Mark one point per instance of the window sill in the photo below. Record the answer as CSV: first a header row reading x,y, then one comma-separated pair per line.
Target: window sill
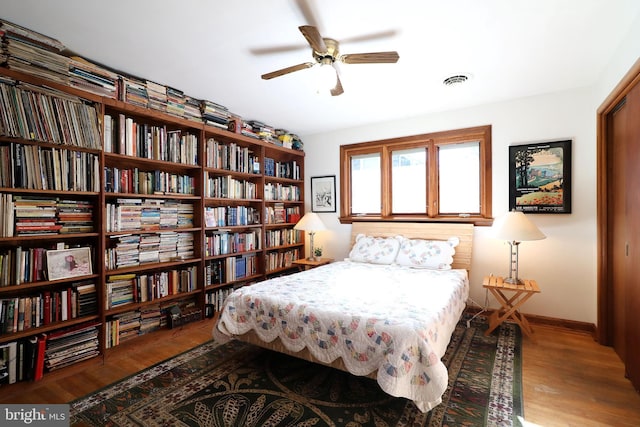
x,y
478,221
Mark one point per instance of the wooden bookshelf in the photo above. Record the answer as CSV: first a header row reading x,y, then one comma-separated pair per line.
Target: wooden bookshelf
x,y
134,186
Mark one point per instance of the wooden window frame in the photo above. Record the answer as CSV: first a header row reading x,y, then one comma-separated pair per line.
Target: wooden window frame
x,y
431,142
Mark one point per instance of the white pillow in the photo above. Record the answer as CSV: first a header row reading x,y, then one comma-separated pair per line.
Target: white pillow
x,y
433,254
375,250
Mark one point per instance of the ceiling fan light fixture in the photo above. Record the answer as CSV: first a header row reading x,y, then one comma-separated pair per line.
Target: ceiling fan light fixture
x,y
326,75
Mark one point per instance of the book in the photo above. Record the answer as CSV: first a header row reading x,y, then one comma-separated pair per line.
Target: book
x,y
8,362
38,370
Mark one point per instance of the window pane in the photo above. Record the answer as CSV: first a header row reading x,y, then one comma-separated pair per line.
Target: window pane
x,y
409,181
365,184
459,178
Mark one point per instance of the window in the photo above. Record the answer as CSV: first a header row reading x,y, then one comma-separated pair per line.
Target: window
x,y
408,194
444,176
365,178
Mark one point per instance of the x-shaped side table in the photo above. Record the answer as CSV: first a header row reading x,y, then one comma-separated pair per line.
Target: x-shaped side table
x,y
510,304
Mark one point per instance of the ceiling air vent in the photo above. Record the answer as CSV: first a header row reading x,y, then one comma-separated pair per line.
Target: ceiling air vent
x,y
454,80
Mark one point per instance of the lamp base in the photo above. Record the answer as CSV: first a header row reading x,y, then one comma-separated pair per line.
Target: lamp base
x,y
514,281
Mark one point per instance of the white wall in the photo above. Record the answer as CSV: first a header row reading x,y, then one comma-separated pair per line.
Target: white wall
x,y
564,263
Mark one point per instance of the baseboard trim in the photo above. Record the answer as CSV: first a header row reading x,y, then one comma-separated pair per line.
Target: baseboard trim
x,y
573,325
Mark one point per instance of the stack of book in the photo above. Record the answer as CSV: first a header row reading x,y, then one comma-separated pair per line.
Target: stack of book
x,y
92,78
264,131
33,53
133,91
87,298
68,346
75,216
215,114
127,325
157,94
185,215
149,248
148,214
192,108
168,246
125,254
184,247
120,290
150,318
35,215
176,103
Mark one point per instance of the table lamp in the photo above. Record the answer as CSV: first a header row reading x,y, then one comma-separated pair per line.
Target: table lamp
x,y
310,222
515,227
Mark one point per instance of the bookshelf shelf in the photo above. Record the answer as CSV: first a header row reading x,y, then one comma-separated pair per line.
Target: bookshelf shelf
x,y
59,193
47,328
151,266
161,301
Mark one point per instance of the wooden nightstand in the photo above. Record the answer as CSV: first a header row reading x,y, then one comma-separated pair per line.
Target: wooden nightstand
x,y
510,304
305,264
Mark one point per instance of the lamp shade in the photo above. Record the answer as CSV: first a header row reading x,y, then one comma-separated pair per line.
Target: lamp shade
x,y
514,226
310,222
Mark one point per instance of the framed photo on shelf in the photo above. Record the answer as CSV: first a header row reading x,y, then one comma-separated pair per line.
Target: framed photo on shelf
x,y
540,177
65,263
323,193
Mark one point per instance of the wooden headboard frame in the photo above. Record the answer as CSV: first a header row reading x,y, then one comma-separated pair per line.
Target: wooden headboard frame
x,y
423,230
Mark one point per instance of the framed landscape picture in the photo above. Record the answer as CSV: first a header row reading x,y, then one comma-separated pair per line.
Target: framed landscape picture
x,y
540,177
323,193
65,263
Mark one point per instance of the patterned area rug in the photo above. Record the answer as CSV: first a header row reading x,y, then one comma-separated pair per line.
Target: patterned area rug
x,y
237,384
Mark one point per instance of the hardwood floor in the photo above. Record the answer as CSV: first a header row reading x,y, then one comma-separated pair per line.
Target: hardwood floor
x,y
569,379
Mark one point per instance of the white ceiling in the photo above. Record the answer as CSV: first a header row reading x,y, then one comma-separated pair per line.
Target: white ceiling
x,y
207,48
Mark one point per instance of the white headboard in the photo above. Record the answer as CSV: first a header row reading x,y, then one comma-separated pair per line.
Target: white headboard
x,y
422,230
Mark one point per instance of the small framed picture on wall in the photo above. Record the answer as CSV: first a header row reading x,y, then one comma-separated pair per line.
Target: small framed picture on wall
x,y
323,193
540,177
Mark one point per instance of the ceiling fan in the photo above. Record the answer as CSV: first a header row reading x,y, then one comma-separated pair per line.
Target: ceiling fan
x,y
326,53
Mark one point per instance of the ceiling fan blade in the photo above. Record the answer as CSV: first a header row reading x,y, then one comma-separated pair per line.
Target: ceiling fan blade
x,y
307,12
313,37
277,49
287,70
369,37
370,58
338,90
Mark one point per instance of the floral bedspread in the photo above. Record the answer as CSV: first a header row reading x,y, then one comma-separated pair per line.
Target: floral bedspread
x,y
396,320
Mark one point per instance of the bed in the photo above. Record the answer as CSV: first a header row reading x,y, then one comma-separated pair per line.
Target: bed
x,y
382,314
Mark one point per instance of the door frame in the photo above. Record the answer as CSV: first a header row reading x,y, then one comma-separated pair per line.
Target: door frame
x,y
604,329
